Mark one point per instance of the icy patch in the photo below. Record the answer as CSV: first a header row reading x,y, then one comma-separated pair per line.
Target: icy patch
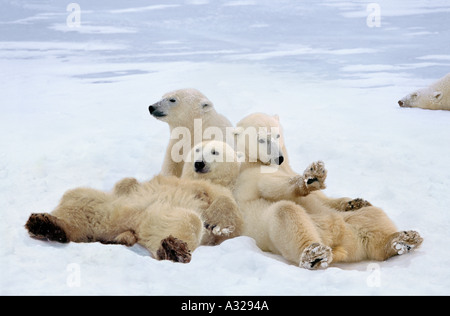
x,y
302,50
391,8
110,74
434,57
239,3
93,29
48,46
143,9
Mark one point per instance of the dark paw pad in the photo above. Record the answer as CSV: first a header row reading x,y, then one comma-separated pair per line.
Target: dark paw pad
x,y
356,204
173,249
44,226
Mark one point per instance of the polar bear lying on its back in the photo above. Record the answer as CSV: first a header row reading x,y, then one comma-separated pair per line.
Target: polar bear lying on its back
x,y
434,97
169,216
286,213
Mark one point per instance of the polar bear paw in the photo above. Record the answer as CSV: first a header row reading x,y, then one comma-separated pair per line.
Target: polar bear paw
x,y
356,204
315,256
219,231
173,249
45,226
406,241
314,176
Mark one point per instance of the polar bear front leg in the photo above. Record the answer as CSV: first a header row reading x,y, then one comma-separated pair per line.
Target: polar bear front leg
x,y
355,204
281,185
313,179
223,218
315,175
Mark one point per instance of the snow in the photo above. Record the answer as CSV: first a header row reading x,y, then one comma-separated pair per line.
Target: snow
x,y
74,106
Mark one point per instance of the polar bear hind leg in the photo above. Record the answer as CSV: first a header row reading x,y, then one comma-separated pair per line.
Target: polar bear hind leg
x,y
403,242
174,249
46,226
170,233
293,234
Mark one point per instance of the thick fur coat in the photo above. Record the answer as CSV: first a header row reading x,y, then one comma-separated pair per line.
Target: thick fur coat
x,y
191,117
169,216
286,213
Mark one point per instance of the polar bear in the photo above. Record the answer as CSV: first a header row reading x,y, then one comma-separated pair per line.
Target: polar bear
x,y
169,216
192,117
286,213
434,97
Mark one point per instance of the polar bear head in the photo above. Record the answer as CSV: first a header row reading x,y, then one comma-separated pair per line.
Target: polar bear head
x,y
181,106
259,136
212,160
434,97
422,98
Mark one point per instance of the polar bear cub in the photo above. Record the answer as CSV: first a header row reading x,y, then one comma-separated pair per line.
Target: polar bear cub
x,y
434,97
191,117
169,216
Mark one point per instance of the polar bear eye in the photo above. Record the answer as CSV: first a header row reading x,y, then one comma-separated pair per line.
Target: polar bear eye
x,y
214,152
278,136
261,141
197,150
173,100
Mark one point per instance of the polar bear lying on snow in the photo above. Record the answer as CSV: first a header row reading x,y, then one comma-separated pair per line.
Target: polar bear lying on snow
x,y
434,97
287,214
169,216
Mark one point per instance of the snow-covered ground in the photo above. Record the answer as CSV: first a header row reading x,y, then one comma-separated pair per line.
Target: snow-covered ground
x,y
74,112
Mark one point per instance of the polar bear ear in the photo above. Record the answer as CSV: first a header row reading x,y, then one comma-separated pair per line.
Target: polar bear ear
x,y
276,117
437,95
206,105
237,130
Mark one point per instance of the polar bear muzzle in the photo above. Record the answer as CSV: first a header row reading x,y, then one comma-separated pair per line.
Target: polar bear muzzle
x,y
156,111
279,160
201,167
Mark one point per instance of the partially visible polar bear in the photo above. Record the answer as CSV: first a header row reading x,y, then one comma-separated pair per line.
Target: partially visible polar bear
x,y
286,213
434,97
192,118
169,216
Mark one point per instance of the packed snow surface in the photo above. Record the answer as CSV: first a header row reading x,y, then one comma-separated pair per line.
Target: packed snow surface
x,y
75,90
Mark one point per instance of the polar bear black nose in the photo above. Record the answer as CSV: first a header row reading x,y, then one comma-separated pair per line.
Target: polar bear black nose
x,y
199,165
279,160
400,103
151,108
